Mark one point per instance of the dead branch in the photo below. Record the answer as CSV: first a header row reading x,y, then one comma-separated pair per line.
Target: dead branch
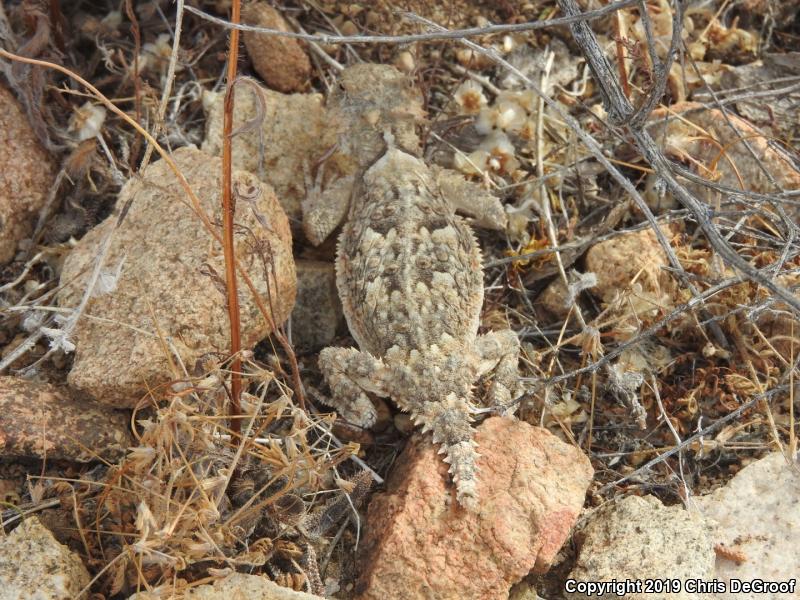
x,y
418,37
621,113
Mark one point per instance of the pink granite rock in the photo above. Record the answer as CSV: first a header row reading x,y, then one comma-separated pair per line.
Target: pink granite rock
x,y
420,544
38,420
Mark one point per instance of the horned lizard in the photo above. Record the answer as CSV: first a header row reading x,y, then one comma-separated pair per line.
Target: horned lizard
x,y
410,279
369,100
408,269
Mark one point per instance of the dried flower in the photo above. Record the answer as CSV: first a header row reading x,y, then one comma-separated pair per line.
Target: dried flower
x,y
87,121
510,116
469,96
502,157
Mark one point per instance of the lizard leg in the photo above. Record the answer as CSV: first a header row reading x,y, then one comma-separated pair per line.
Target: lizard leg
x,y
448,421
471,199
324,210
351,373
498,351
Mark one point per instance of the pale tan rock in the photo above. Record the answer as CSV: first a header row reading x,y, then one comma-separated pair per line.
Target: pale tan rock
x,y
756,515
420,544
638,539
523,591
630,277
780,117
34,566
170,283
703,138
38,420
280,137
317,314
280,61
238,585
26,175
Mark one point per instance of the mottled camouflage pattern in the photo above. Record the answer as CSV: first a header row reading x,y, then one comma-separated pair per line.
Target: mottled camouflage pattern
x,y
411,283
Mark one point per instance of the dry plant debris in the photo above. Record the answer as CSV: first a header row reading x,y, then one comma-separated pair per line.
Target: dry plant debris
x,y
647,256
186,501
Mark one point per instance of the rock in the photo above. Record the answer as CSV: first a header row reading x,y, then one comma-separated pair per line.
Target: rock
x,y
26,176
523,591
640,538
238,585
757,517
317,313
37,420
420,544
696,135
630,275
284,135
34,566
553,299
280,61
781,115
171,279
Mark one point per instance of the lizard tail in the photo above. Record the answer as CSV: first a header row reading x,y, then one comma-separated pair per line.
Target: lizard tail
x,y
449,422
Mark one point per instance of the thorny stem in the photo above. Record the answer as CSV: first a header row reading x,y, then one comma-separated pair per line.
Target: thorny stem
x,y
228,213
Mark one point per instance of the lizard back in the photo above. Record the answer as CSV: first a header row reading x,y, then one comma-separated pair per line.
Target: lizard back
x,y
408,268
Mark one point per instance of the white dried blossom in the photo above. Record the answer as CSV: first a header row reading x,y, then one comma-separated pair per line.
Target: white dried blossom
x,y
33,320
502,154
525,99
510,116
156,54
86,122
486,121
107,280
469,96
59,339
